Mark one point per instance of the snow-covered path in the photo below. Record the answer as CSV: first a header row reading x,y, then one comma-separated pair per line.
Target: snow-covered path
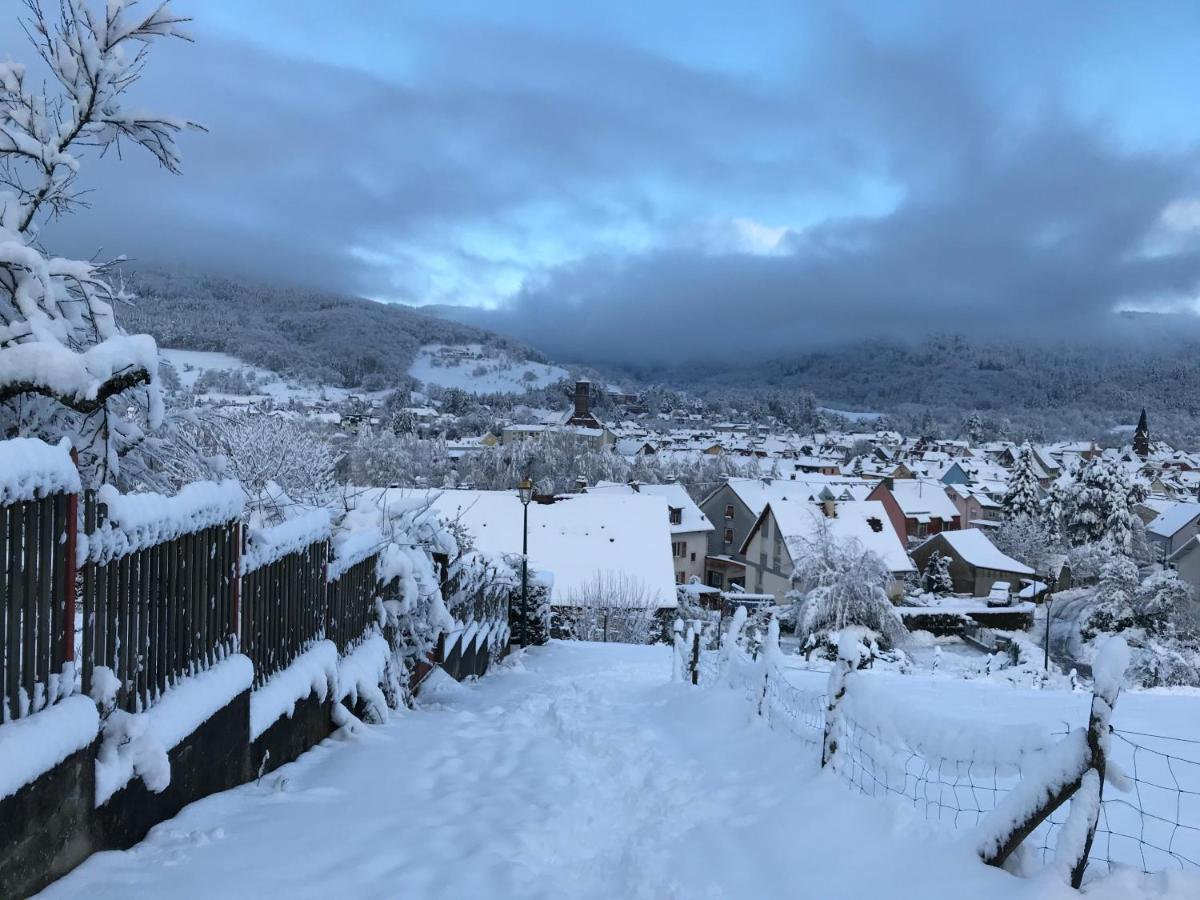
x,y
578,773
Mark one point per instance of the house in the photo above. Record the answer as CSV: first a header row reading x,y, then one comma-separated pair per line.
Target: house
x,y
785,526
1186,561
1174,527
916,507
976,508
735,505
690,528
975,562
577,539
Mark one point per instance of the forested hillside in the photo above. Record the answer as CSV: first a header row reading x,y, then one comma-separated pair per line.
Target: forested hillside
x,y
313,335
1052,389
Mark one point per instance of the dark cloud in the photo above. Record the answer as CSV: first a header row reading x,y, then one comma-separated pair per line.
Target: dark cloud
x,y
922,190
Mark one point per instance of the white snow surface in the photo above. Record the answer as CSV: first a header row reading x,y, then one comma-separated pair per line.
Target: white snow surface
x,y
800,521
577,771
132,740
77,375
30,469
315,671
32,746
138,521
267,545
501,373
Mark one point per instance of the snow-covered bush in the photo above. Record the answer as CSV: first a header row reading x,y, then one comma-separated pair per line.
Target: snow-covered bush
x,y
65,367
1157,618
837,584
539,585
1098,506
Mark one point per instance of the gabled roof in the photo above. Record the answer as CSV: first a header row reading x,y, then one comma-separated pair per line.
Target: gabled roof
x,y
691,518
923,500
974,548
864,521
1170,521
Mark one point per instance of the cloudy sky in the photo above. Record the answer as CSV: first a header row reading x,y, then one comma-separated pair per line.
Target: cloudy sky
x,y
667,179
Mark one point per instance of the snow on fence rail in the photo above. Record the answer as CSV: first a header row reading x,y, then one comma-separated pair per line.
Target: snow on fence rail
x,y
969,777
38,485
161,583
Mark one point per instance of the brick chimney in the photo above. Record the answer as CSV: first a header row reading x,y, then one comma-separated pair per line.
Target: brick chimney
x,y
583,392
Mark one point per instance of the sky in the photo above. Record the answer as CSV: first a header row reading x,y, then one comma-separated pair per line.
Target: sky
x,y
670,180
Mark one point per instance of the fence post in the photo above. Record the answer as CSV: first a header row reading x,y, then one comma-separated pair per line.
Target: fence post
x,y
69,579
1108,676
677,652
849,655
696,657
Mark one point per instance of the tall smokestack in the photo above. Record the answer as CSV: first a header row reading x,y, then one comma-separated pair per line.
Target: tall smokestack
x,y
583,390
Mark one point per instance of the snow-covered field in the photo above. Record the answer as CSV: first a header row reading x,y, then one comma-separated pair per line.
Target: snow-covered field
x,y
476,370
578,772
189,365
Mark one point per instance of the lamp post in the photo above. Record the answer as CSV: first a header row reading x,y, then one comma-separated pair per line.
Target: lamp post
x,y
525,492
1050,582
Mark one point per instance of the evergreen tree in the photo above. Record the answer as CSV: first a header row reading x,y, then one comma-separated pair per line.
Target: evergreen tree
x,y
1024,491
1099,506
1141,437
936,577
973,429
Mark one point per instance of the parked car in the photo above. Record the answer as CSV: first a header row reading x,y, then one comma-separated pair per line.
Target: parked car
x,y
1000,594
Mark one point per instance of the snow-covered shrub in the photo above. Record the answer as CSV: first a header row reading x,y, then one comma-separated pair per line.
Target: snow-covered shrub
x,y
839,584
65,367
1029,539
1098,505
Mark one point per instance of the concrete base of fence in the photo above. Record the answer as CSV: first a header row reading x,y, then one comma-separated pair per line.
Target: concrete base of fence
x,y
46,826
310,723
212,758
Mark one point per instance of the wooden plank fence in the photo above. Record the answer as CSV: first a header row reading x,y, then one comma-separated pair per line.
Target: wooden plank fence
x,y
37,601
351,603
283,609
158,614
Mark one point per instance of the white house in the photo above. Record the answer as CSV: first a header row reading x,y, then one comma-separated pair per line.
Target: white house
x,y
577,539
690,527
784,526
1174,527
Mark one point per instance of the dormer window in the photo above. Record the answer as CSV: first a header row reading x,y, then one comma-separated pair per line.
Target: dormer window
x,y
676,515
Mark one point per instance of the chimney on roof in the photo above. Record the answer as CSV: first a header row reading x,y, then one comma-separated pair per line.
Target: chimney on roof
x,y
583,396
888,482
829,507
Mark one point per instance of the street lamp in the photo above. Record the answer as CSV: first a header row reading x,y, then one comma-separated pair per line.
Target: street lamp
x,y
1049,601
525,492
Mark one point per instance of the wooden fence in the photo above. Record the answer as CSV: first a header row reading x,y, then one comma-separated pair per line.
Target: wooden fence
x,y
351,603
37,601
160,613
283,609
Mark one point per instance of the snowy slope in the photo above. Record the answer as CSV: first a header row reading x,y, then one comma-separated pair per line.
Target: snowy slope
x,y
584,775
189,365
478,370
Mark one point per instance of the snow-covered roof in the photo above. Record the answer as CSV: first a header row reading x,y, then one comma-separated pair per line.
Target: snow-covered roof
x,y
974,547
756,493
864,521
691,518
574,538
1169,522
919,498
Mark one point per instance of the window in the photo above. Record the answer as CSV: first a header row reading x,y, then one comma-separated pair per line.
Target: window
x,y
729,511
728,536
676,516
678,549
680,577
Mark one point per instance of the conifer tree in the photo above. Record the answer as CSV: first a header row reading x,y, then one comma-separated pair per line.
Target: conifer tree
x,y
1024,491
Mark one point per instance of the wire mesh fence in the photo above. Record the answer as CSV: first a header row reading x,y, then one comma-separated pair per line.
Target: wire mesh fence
x,y
1152,825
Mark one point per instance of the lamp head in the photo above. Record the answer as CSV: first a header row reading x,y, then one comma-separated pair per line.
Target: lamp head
x,y
525,490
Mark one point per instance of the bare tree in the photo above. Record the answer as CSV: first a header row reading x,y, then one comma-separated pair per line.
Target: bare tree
x,y
611,606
